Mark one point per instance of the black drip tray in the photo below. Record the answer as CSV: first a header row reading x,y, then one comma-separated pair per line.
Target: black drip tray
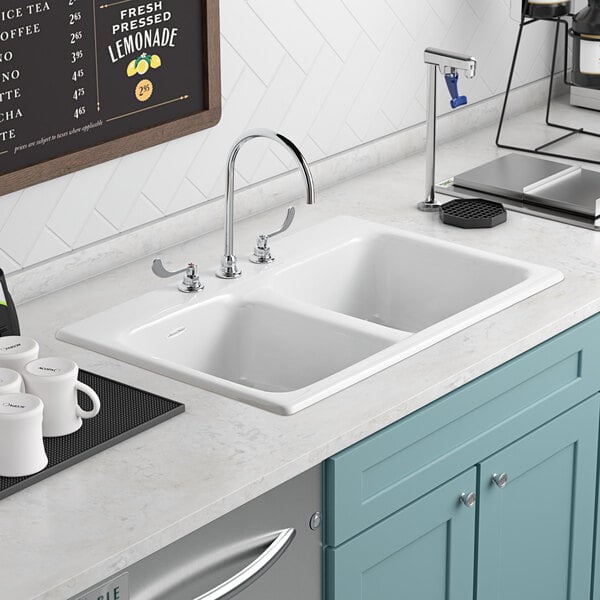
x,y
474,213
126,411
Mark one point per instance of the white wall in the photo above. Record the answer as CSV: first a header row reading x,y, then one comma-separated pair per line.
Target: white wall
x,y
330,74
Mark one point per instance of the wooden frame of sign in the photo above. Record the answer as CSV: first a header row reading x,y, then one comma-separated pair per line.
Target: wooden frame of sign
x,y
140,137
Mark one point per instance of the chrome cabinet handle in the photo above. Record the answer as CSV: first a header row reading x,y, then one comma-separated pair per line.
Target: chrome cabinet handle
x,y
262,252
500,480
468,499
253,571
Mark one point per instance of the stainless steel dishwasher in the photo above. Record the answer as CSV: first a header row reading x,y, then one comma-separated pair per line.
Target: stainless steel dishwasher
x,y
268,549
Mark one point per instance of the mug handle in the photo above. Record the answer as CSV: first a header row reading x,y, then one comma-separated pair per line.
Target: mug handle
x,y
88,391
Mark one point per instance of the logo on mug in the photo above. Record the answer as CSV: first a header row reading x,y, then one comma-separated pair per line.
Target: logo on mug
x,y
17,345
11,405
49,369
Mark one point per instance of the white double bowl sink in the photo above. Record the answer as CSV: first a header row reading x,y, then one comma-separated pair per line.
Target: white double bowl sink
x,y
346,299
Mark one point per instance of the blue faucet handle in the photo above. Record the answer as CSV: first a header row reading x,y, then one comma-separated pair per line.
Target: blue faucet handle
x,y
460,101
452,83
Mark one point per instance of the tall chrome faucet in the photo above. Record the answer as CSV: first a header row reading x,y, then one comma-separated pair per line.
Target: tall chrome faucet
x,y
448,63
229,268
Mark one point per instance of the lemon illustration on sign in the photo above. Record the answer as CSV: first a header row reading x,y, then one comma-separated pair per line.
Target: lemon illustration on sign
x,y
141,65
131,69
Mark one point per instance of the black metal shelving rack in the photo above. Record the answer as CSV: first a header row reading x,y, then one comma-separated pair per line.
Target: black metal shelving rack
x,y
543,149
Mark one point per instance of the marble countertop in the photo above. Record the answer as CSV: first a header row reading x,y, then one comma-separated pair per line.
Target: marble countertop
x,y
78,527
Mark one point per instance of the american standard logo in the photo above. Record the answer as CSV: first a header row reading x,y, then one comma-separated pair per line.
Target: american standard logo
x,y
176,332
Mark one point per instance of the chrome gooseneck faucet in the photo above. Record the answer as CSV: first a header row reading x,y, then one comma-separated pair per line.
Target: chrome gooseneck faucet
x,y
229,268
448,63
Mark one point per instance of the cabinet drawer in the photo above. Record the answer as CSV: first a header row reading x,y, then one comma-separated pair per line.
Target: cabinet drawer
x,y
426,550
380,475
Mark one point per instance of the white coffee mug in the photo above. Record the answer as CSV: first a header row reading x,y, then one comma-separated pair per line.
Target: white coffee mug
x,y
54,380
11,381
16,351
22,450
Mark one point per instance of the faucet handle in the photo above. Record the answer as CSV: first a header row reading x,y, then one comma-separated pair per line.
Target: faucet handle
x,y
159,269
262,251
191,281
289,219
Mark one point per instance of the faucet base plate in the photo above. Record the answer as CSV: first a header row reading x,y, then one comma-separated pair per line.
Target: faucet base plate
x,y
228,273
229,268
261,260
429,206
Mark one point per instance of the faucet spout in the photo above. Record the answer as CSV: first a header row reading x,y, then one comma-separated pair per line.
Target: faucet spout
x,y
229,268
451,60
447,63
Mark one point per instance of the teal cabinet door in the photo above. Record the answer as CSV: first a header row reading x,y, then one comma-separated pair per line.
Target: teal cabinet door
x,y
535,535
425,550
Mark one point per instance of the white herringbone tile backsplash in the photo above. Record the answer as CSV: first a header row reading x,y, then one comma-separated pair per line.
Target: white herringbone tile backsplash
x,y
329,74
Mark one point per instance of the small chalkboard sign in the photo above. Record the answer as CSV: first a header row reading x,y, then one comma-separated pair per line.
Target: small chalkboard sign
x,y
85,81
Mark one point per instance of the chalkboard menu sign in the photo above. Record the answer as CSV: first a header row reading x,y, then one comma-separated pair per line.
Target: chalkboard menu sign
x,y
84,81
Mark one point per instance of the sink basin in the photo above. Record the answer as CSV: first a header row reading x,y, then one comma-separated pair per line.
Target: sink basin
x,y
348,299
252,347
407,282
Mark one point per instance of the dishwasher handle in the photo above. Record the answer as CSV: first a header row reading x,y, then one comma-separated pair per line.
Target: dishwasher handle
x,y
233,586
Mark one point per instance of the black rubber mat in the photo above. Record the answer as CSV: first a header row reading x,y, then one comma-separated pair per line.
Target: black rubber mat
x,y
126,411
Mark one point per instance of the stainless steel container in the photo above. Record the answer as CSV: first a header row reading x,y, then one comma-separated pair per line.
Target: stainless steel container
x,y
586,46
